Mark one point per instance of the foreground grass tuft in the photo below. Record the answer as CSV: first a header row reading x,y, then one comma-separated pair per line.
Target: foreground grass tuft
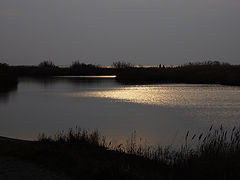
x,y
214,154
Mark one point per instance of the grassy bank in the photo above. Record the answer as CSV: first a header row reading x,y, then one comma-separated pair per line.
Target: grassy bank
x,y
84,155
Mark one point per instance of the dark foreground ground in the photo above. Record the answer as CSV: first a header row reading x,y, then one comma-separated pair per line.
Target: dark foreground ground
x,y
28,159
12,168
81,155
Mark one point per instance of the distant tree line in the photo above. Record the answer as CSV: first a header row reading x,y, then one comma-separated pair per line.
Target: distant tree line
x,y
210,72
81,65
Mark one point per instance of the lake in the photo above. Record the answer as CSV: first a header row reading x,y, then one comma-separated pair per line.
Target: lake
x,y
159,113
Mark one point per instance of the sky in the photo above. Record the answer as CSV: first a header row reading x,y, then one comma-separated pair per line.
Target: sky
x,y
143,32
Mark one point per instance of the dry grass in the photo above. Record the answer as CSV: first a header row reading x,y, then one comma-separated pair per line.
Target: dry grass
x,y
214,154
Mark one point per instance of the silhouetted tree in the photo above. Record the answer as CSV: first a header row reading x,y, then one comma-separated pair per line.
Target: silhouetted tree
x,y
78,65
122,65
47,64
4,65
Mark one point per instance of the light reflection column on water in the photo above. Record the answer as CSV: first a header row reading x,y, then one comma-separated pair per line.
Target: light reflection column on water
x,y
148,95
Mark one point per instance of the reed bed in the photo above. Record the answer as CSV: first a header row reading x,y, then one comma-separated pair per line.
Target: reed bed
x,y
214,154
214,143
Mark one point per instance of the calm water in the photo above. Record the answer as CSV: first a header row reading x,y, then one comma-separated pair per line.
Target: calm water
x,y
159,113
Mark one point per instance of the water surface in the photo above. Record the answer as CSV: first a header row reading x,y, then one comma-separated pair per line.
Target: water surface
x,y
160,113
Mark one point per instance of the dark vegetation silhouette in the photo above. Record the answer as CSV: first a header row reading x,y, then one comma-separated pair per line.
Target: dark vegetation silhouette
x,y
47,64
48,68
122,65
78,65
209,72
8,78
214,154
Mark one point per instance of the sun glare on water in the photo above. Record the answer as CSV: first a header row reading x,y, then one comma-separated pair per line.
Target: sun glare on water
x,y
169,95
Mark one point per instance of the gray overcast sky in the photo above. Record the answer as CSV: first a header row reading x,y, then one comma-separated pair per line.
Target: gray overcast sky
x,y
103,31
